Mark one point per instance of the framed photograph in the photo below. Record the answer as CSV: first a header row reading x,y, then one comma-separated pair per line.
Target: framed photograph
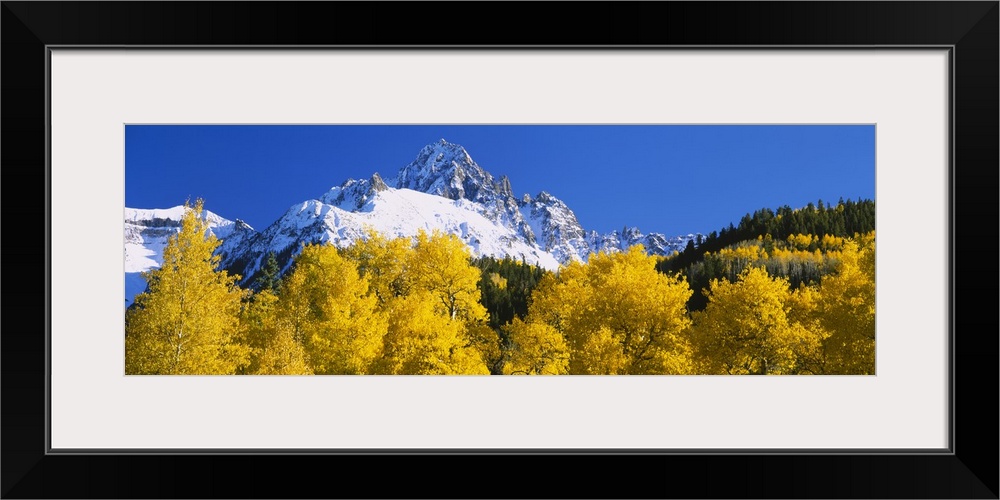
x,y
126,106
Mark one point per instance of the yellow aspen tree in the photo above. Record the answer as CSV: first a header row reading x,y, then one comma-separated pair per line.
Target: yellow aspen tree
x,y
429,292
275,350
421,340
283,355
599,352
804,309
618,315
488,344
440,264
848,309
187,322
745,328
538,349
326,304
383,262
256,327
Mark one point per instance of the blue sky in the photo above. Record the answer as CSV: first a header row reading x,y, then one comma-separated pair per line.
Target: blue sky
x,y
671,179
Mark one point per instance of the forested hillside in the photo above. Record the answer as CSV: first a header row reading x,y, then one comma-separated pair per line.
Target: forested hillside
x,y
784,292
787,241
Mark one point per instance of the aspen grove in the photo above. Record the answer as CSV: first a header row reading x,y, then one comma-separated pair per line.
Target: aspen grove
x,y
765,303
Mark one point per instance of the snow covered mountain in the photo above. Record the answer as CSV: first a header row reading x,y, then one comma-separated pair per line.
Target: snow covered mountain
x,y
345,213
655,243
147,232
442,189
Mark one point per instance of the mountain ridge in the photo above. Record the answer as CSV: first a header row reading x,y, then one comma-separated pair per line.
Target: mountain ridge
x,y
148,230
443,188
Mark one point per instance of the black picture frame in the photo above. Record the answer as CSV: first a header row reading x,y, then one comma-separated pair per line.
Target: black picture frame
x,y
969,470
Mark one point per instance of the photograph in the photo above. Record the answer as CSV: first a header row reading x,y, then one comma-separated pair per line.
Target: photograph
x,y
500,249
675,191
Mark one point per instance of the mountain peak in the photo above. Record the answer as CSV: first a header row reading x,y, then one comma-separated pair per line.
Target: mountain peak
x,y
354,193
546,197
446,169
241,225
442,146
377,183
443,188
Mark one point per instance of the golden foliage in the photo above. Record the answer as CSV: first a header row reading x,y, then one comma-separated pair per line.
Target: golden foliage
x,y
745,329
412,306
422,341
187,321
440,265
539,349
847,309
326,304
618,315
275,350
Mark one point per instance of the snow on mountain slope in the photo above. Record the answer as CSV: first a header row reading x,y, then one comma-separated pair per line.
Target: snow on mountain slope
x,y
345,214
146,235
446,169
655,243
555,227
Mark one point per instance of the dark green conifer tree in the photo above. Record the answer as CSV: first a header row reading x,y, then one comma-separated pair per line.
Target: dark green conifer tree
x,y
270,274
